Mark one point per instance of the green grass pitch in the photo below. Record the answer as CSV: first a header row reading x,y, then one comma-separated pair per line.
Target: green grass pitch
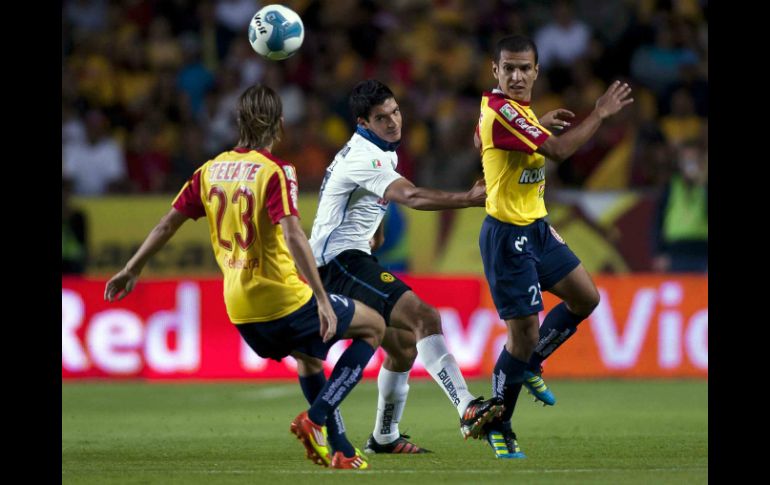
x,y
605,431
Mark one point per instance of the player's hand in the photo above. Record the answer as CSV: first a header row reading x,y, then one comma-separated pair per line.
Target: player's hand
x,y
613,100
557,119
120,285
477,195
328,319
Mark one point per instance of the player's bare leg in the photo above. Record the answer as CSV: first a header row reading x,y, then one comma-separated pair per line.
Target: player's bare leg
x,y
393,386
411,313
578,291
580,298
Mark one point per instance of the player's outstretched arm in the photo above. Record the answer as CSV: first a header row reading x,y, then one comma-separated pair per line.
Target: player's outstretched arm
x,y
296,240
612,101
123,282
405,192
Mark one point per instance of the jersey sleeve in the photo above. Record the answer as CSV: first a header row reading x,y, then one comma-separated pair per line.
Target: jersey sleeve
x,y
509,127
371,173
281,194
188,200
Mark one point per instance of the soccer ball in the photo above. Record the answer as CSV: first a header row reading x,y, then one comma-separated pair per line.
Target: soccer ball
x,y
276,32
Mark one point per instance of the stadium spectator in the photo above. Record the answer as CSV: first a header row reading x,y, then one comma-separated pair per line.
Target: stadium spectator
x,y
658,66
681,225
194,79
683,123
97,164
74,231
563,40
120,56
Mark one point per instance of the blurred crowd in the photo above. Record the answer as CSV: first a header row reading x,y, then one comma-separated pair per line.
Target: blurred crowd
x,y
148,86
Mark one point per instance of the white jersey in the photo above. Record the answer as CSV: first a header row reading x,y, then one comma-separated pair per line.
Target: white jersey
x,y
352,204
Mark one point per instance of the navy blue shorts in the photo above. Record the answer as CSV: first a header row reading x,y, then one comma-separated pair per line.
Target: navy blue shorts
x,y
519,261
298,331
359,275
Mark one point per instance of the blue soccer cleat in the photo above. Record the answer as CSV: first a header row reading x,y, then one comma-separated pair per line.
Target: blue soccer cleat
x,y
504,444
536,386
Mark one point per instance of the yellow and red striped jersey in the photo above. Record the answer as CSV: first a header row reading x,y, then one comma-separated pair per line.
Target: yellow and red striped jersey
x,y
510,133
244,194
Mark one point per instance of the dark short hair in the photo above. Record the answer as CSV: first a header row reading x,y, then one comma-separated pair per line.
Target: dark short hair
x,y
515,43
259,116
366,95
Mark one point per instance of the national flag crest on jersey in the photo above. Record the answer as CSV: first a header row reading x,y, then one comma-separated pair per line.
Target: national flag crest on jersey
x,y
376,163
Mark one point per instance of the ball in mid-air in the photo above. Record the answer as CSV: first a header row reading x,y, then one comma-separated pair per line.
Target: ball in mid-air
x,y
276,32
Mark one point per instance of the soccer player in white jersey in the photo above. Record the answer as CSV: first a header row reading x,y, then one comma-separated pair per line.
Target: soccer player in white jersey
x,y
360,183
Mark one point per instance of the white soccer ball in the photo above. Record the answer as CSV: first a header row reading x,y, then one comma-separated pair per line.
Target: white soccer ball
x,y
276,32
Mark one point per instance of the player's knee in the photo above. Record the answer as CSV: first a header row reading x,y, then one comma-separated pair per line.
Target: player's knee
x,y
307,366
404,357
376,330
588,303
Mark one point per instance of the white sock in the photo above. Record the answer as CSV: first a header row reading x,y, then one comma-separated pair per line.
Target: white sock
x,y
393,389
442,366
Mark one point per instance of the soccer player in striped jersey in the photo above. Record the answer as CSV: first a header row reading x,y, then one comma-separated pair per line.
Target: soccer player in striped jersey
x,y
521,252
360,183
249,198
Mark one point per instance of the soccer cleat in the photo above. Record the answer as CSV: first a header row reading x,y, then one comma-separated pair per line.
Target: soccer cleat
x,y
358,462
399,445
504,444
478,413
536,386
313,437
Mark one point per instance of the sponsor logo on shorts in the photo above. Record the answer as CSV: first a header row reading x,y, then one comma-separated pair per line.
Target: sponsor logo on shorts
x,y
387,277
519,243
556,235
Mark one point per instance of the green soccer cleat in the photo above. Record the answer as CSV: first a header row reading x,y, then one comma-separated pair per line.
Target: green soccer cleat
x,y
536,386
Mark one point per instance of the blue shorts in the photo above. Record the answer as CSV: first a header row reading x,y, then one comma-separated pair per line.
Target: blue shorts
x,y
298,331
519,261
359,275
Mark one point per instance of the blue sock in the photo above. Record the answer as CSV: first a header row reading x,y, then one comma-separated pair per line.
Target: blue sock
x,y
335,427
507,378
559,325
345,376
